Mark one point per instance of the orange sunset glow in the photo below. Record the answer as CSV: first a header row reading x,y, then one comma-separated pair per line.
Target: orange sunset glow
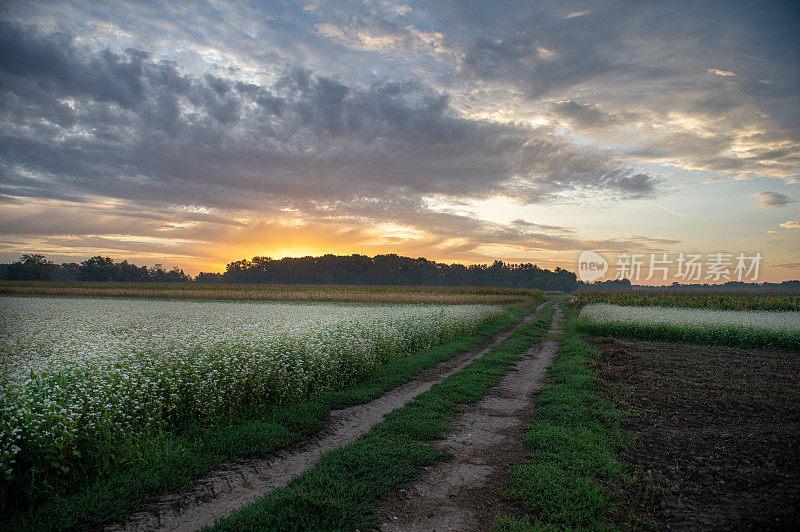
x,y
467,133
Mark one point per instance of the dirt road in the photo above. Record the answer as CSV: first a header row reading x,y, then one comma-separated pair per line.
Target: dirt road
x,y
464,492
235,484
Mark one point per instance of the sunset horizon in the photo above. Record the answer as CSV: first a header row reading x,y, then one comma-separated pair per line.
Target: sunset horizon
x,y
199,134
399,264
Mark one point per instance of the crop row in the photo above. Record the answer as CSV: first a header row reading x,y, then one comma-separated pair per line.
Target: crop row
x,y
745,328
686,299
437,295
91,376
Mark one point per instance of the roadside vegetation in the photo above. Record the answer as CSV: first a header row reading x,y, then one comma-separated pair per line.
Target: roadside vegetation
x,y
89,488
573,445
780,301
340,491
575,476
742,328
437,295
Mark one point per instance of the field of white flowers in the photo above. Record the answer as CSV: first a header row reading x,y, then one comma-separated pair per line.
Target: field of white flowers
x,y
76,370
747,328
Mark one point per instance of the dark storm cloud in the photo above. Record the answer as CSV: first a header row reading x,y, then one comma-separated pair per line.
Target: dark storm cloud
x,y
125,125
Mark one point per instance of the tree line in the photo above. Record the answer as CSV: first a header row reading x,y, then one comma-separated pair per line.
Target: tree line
x,y
328,269
390,269
35,267
353,269
730,286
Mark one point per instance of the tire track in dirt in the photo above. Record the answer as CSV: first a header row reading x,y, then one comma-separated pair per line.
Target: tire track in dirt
x,y
485,441
234,484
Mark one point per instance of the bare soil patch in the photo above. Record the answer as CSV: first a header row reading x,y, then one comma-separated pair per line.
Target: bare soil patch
x,y
237,483
717,432
464,492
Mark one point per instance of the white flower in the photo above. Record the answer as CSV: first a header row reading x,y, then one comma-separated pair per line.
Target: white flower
x,y
756,320
87,369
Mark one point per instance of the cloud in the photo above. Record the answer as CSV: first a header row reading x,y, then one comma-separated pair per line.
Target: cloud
x,y
140,129
539,69
772,200
788,265
198,241
118,144
614,81
626,74
578,13
584,116
344,115
724,73
541,227
791,224
380,35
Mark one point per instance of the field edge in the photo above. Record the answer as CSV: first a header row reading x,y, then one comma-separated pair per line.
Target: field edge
x,y
108,499
339,492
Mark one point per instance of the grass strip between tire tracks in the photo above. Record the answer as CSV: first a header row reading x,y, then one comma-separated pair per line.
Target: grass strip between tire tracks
x,y
180,458
339,492
573,443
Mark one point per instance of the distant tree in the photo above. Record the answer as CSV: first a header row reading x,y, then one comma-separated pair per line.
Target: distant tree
x,y
175,275
98,269
104,269
210,278
612,284
130,273
67,271
30,267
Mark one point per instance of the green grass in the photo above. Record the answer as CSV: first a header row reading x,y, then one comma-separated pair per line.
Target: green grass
x,y
175,458
340,491
573,443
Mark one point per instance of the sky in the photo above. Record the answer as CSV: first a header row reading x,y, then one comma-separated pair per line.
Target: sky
x,y
197,133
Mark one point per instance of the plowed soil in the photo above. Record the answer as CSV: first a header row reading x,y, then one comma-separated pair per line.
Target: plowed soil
x,y
717,433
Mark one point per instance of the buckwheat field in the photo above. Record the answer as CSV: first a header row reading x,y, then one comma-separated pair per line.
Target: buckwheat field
x,y
743,328
90,374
